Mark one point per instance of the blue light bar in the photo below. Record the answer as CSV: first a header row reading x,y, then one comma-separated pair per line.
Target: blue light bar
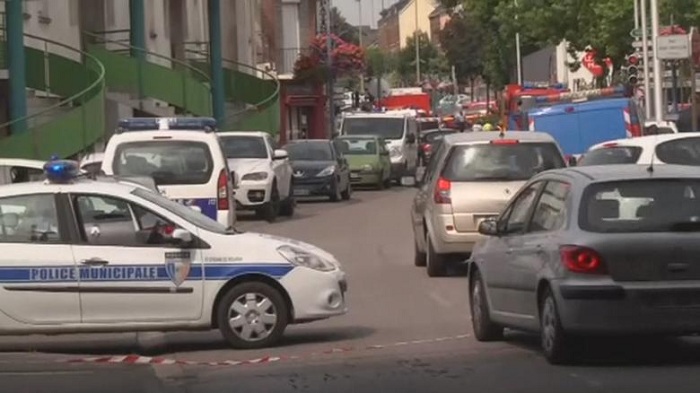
x,y
61,171
206,124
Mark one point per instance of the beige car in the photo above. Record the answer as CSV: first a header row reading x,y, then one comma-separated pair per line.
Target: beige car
x,y
470,178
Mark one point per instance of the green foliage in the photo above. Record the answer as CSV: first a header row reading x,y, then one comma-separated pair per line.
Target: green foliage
x,y
462,41
343,29
430,59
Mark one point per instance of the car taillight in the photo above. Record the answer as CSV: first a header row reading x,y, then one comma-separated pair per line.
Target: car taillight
x,y
442,191
222,191
581,259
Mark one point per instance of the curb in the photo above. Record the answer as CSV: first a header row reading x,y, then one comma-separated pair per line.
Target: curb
x,y
160,361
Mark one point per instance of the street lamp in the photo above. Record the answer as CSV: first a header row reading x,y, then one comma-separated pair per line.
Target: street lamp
x,y
518,57
416,43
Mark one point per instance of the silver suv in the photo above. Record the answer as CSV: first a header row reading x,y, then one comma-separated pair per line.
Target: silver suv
x,y
470,178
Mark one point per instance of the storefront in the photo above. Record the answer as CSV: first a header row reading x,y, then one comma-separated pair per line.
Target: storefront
x,y
303,112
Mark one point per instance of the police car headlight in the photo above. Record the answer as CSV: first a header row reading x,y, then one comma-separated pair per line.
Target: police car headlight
x,y
395,152
367,168
299,257
327,171
255,176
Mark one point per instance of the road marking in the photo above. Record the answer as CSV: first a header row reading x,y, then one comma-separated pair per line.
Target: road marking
x,y
440,300
38,373
159,361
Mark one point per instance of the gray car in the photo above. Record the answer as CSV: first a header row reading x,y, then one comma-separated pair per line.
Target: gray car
x,y
469,179
591,250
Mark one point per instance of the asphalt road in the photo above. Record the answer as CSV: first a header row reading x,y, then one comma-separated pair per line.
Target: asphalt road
x,y
404,333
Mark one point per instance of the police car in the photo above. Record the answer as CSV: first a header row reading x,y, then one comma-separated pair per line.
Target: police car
x,y
78,255
182,155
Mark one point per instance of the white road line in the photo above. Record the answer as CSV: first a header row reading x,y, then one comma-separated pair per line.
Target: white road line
x,y
440,300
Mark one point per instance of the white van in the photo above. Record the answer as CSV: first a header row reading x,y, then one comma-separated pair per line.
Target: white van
x,y
399,130
183,156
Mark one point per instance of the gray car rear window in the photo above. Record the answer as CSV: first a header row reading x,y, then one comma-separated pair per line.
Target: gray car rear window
x,y
684,151
501,162
612,155
649,205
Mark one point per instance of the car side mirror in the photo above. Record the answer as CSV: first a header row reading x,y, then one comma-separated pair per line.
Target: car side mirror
x,y
181,237
572,161
489,227
411,139
280,154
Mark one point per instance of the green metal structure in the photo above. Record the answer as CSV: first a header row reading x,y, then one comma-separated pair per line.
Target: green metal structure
x,y
74,82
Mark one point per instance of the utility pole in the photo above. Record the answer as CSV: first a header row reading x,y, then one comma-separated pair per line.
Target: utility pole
x,y
518,56
658,82
330,89
645,63
359,33
416,43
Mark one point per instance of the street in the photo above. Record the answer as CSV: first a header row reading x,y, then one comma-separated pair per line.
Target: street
x,y
405,332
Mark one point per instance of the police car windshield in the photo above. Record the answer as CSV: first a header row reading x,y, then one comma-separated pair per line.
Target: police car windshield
x,y
385,127
187,213
167,162
244,147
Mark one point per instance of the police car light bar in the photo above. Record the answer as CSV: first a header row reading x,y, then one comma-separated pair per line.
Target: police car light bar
x,y
206,124
61,171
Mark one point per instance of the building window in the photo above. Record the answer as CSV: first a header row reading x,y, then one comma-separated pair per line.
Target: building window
x,y
43,13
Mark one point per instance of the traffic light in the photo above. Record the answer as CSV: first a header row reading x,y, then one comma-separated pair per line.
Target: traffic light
x,y
633,62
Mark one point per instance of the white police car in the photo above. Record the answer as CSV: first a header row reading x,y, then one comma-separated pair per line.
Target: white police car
x,y
182,155
78,255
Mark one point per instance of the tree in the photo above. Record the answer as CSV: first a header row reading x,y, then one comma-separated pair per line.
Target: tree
x,y
346,58
429,55
343,29
462,40
378,62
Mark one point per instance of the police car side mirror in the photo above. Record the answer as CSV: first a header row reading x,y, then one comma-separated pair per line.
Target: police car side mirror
x,y
181,236
280,154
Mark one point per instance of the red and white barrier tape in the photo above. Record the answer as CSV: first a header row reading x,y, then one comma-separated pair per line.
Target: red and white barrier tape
x,y
136,359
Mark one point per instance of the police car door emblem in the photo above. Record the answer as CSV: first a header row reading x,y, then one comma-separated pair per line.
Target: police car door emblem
x,y
177,266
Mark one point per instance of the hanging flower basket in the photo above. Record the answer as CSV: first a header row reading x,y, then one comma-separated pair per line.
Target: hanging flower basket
x,y
346,59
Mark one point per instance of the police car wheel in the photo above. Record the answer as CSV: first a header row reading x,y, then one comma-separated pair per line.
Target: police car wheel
x,y
252,315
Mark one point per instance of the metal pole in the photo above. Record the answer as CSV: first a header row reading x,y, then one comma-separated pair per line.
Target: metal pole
x,y
417,45
16,64
636,14
359,32
674,78
137,32
518,56
330,90
645,62
693,100
658,82
215,62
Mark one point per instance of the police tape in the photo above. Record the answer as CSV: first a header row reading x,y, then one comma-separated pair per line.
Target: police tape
x,y
161,361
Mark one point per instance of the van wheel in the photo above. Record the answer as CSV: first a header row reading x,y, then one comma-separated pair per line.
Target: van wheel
x,y
435,262
271,210
252,315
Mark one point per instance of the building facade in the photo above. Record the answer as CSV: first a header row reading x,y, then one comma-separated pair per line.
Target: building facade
x,y
438,19
389,35
410,20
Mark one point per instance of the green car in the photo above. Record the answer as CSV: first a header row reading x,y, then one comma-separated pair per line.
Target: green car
x,y
368,158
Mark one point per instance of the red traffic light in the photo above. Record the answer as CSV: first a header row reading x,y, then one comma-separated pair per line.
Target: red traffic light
x,y
633,59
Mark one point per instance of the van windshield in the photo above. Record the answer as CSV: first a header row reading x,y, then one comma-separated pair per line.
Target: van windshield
x,y
167,162
385,127
501,162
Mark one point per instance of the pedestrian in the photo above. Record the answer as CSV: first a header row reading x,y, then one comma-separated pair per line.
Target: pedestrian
x,y
461,121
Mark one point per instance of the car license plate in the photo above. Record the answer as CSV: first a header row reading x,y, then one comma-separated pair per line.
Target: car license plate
x,y
301,192
354,175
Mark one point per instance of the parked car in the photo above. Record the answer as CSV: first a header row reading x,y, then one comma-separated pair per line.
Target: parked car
x,y
18,170
427,141
368,158
264,173
562,259
470,178
319,169
682,148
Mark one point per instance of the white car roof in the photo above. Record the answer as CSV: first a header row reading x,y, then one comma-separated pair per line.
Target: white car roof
x,y
260,134
177,135
647,141
37,164
78,185
378,114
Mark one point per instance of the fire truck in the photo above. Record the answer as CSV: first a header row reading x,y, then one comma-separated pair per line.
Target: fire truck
x,y
406,98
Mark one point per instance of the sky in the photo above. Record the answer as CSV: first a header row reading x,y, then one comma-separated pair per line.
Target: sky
x,y
370,10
